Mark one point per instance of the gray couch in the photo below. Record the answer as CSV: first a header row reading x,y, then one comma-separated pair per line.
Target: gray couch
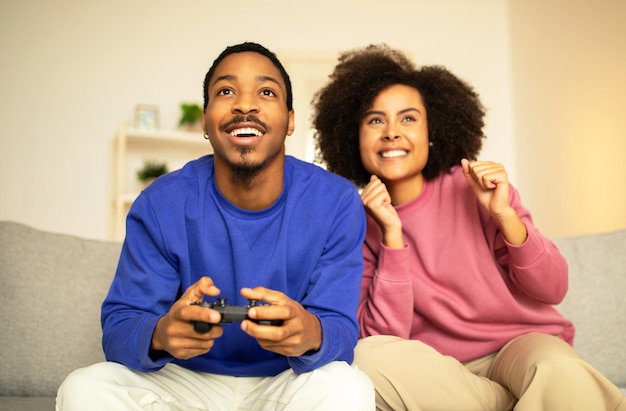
x,y
52,285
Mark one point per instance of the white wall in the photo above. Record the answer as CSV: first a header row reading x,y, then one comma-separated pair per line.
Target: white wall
x,y
569,65
72,72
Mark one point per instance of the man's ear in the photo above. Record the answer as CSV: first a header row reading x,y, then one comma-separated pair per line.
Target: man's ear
x,y
292,123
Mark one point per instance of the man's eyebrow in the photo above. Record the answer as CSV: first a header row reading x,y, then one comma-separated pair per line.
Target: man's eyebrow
x,y
224,77
269,78
231,77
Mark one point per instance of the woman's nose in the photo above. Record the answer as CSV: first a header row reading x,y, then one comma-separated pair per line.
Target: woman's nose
x,y
391,134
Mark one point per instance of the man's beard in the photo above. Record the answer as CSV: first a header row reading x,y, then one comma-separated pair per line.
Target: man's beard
x,y
245,172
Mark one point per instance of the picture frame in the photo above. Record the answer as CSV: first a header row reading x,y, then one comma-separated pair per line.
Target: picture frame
x,y
147,117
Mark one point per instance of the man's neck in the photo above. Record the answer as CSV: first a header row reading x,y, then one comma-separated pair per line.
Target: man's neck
x,y
256,193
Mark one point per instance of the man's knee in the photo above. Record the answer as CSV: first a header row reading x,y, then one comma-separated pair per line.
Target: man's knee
x,y
81,379
85,383
346,384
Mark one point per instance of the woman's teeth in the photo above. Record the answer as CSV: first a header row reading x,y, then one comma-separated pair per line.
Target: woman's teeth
x,y
393,153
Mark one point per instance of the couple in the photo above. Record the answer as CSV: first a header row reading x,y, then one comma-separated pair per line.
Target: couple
x,y
456,283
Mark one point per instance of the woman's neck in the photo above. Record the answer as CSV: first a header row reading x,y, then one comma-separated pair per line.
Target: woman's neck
x,y
403,191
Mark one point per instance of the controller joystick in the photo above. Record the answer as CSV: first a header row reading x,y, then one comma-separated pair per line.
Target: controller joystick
x,y
230,314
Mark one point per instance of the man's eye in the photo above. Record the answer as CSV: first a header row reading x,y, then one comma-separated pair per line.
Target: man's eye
x,y
225,92
268,93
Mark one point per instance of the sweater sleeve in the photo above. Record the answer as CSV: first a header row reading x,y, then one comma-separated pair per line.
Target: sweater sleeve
x,y
386,305
143,289
536,267
333,288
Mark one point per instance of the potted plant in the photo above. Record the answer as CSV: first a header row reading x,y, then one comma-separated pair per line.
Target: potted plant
x,y
151,170
191,117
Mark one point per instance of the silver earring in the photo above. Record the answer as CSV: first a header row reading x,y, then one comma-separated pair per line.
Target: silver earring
x,y
430,144
206,136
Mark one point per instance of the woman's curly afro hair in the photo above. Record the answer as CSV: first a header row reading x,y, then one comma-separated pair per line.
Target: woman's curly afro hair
x,y
454,111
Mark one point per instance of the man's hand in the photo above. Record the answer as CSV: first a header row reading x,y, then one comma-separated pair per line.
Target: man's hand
x,y
301,331
174,332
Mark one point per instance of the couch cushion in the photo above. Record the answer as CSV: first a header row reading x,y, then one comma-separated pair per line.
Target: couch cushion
x,y
27,403
596,302
51,288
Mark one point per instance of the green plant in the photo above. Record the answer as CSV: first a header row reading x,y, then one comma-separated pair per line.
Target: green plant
x,y
151,169
191,114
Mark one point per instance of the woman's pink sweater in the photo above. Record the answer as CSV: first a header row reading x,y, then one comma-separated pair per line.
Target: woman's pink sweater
x,y
457,285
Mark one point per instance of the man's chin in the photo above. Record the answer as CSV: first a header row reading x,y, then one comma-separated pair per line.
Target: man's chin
x,y
245,172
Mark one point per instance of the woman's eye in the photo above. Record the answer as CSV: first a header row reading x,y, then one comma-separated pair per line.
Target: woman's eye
x,y
375,120
408,118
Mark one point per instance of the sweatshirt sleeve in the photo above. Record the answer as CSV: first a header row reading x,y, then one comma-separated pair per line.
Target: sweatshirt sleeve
x,y
536,267
386,305
333,292
143,289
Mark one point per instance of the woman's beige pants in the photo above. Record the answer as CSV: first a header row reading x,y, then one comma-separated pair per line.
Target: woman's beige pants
x,y
533,372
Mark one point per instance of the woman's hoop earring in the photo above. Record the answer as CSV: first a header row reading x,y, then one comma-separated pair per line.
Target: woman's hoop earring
x,y
206,136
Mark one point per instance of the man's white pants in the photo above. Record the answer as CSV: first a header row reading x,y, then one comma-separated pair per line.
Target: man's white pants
x,y
112,386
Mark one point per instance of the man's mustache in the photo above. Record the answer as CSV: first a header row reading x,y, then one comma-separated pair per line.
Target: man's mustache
x,y
250,118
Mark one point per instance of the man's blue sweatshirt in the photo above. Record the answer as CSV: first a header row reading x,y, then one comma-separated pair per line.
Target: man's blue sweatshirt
x,y
308,245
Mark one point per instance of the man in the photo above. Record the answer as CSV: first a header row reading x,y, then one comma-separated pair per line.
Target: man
x,y
247,223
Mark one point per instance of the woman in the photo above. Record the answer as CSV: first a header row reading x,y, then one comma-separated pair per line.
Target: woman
x,y
459,287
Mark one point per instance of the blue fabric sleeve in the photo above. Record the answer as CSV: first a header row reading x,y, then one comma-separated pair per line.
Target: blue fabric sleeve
x,y
144,286
335,286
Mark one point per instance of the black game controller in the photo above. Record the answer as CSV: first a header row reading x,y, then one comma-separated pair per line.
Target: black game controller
x,y
230,314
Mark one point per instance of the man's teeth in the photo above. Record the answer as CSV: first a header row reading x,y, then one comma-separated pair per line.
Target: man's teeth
x,y
393,153
246,132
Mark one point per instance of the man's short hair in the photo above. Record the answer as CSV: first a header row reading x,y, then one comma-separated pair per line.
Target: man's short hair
x,y
255,48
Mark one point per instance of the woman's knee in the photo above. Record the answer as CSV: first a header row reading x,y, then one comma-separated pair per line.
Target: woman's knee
x,y
532,356
370,352
536,348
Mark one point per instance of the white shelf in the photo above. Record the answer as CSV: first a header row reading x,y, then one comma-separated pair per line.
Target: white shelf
x,y
130,148
165,136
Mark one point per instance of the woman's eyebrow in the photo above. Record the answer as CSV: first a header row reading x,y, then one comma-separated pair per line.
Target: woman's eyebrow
x,y
406,110
382,113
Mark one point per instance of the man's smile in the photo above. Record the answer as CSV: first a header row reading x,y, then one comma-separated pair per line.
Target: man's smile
x,y
246,132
